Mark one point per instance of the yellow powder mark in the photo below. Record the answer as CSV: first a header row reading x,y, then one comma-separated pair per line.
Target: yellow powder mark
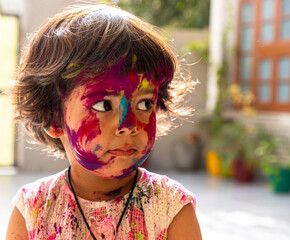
x,y
48,203
33,212
139,236
73,74
165,236
133,225
143,84
104,213
134,60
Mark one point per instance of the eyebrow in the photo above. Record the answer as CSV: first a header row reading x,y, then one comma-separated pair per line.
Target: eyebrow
x,y
103,93
147,91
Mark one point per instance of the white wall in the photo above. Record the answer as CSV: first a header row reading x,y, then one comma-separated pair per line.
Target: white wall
x,y
162,156
34,14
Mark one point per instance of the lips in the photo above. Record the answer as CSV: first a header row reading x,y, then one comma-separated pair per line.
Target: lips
x,y
123,151
119,152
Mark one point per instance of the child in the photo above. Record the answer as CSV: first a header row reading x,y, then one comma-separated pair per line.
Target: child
x,y
89,87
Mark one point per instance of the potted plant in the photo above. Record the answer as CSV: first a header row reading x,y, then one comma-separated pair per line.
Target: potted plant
x,y
217,152
237,150
246,159
276,166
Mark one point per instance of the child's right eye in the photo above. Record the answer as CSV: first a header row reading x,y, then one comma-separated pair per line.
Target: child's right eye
x,y
102,106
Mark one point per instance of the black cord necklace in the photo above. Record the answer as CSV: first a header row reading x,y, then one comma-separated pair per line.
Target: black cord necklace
x,y
81,210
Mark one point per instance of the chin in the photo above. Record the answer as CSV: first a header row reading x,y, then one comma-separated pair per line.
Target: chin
x,y
116,172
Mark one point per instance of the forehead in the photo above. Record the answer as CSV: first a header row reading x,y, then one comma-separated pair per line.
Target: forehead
x,y
114,84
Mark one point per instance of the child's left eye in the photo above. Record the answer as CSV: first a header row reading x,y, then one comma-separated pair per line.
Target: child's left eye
x,y
144,105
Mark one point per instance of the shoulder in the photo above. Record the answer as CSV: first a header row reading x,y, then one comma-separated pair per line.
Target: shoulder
x,y
185,225
43,186
38,193
165,195
161,185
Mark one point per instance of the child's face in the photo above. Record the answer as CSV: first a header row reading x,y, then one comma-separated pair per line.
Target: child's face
x,y
111,124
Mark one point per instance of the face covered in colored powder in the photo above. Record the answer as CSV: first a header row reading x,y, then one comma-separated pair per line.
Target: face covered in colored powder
x,y
111,123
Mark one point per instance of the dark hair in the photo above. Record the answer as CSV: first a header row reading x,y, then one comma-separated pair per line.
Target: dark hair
x,y
86,38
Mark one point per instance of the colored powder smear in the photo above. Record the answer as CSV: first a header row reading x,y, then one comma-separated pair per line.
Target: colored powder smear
x,y
126,87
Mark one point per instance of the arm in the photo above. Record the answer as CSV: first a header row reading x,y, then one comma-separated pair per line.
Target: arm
x,y
185,225
16,227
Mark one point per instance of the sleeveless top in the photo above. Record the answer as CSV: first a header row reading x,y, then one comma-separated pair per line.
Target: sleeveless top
x,y
50,211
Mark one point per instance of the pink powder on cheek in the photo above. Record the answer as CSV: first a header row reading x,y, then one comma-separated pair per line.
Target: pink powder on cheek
x,y
78,140
151,132
89,129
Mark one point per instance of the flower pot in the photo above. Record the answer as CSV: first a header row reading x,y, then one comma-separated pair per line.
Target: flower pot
x,y
278,177
243,171
226,165
213,163
280,182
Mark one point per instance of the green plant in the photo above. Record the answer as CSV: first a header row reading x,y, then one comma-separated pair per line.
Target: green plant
x,y
176,13
277,169
200,48
274,151
237,140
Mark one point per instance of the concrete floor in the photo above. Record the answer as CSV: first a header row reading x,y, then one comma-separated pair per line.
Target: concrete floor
x,y
226,210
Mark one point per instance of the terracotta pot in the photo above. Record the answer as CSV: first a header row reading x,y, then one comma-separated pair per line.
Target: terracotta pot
x,y
243,171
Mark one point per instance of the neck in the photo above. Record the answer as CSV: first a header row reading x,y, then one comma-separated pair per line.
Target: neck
x,y
91,187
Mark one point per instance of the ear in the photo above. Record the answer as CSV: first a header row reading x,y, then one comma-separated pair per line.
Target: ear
x,y
54,131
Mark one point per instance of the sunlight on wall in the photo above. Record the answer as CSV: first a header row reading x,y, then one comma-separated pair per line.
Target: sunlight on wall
x,y
8,60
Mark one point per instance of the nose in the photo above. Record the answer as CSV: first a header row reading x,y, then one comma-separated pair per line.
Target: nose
x,y
122,131
127,119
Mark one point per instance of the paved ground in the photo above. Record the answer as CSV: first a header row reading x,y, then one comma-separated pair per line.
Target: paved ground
x,y
226,210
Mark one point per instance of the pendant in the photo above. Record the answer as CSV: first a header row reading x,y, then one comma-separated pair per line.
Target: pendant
x,y
104,229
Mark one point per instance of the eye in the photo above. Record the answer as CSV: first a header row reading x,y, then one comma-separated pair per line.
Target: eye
x,y
102,106
144,105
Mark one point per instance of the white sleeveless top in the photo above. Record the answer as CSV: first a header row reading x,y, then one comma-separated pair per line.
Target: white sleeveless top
x,y
50,211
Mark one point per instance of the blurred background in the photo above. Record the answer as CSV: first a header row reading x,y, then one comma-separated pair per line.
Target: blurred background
x,y
233,153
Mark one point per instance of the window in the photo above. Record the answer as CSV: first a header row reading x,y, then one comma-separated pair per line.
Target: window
x,y
285,22
267,21
8,56
264,52
246,46
264,76
283,94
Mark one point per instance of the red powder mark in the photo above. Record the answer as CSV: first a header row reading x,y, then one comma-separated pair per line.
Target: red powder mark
x,y
90,128
142,125
31,234
183,197
129,119
143,152
53,236
117,200
56,130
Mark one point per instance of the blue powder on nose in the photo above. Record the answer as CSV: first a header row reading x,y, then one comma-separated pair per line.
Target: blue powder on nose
x,y
124,110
